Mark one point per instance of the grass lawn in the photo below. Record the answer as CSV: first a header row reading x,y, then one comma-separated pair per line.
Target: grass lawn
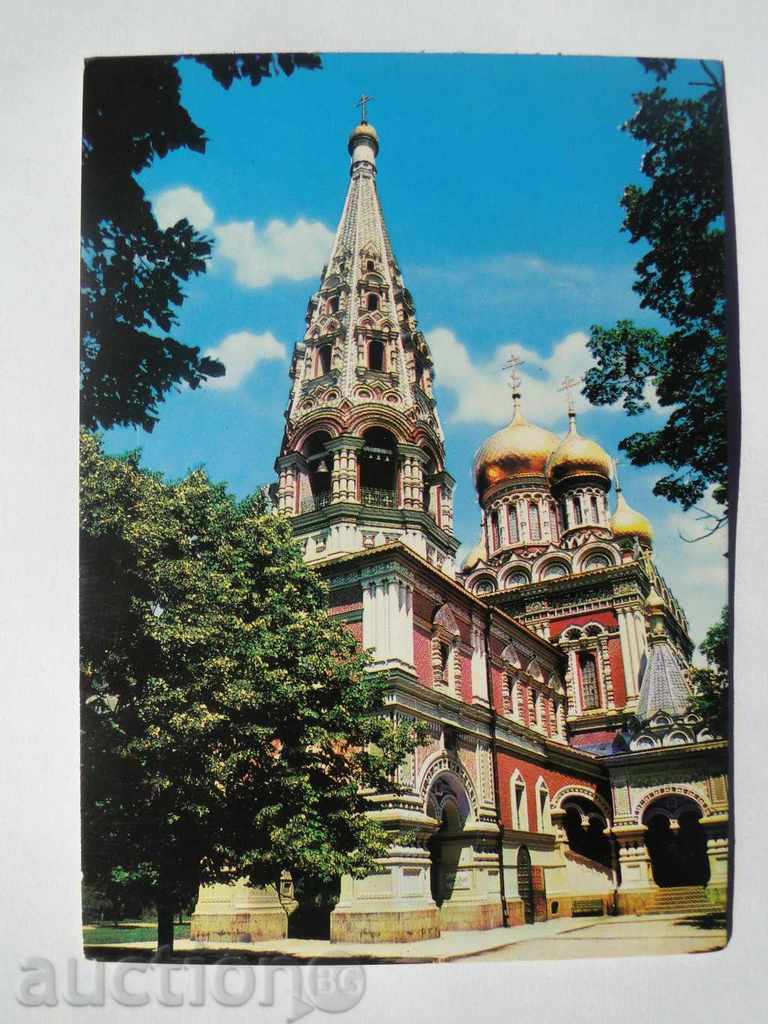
x,y
129,931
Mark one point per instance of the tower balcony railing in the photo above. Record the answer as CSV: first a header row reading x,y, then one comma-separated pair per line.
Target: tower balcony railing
x,y
313,502
378,497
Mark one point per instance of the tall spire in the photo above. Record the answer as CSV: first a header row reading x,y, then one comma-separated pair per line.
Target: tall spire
x,y
362,397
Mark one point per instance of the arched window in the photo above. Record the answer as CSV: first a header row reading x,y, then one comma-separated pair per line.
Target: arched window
x,y
324,360
516,579
578,515
514,534
372,302
597,561
554,570
554,519
484,586
319,472
495,535
378,460
370,265
446,670
535,521
375,355
519,802
589,695
543,807
595,514
333,304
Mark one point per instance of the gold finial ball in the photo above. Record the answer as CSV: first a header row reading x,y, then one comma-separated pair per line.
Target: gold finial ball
x,y
363,131
518,451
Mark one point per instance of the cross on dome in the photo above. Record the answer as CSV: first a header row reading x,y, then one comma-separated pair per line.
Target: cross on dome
x,y
515,380
363,103
568,384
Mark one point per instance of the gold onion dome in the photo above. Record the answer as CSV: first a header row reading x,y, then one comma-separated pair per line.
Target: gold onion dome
x,y
577,456
519,450
364,131
475,556
654,602
625,522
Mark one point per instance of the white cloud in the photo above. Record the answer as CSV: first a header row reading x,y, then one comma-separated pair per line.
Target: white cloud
x,y
175,204
259,257
481,390
241,353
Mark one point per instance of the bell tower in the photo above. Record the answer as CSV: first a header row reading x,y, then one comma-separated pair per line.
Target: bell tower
x,y
362,461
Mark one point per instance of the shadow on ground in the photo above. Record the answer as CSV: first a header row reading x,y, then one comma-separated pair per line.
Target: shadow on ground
x,y
707,922
125,954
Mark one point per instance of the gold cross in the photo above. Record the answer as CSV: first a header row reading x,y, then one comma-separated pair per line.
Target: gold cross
x,y
567,385
515,380
616,464
363,103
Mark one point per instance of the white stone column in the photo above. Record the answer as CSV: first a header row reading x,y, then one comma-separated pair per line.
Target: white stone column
x,y
629,650
479,666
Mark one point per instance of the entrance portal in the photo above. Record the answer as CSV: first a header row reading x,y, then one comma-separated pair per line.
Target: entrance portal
x,y
676,842
448,803
525,883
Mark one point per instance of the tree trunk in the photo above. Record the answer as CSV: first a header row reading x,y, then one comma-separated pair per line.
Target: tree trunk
x,y
165,912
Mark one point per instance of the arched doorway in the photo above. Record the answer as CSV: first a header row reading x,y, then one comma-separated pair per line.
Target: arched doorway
x,y
676,842
525,883
448,803
585,828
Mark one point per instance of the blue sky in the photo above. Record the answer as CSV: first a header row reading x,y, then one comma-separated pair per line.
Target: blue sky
x,y
500,179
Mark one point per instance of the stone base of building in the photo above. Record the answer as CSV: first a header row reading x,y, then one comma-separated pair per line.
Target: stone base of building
x,y
385,925
580,905
239,913
467,917
515,913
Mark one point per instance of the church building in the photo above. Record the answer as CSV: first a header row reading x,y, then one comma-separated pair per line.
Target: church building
x,y
564,772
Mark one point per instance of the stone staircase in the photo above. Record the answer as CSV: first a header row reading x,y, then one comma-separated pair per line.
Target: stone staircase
x,y
682,899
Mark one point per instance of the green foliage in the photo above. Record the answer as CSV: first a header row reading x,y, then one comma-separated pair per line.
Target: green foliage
x,y
682,277
230,725
712,684
132,271
121,934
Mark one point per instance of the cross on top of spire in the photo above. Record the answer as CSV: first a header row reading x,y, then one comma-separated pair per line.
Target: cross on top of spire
x,y
363,104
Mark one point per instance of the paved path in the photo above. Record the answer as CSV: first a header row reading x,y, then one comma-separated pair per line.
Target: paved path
x,y
617,936
569,938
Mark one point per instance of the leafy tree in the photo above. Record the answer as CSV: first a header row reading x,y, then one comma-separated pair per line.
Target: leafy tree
x,y
680,217
230,727
712,684
132,270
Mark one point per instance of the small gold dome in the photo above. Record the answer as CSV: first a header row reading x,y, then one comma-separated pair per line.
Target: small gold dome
x,y
625,522
475,556
577,456
654,602
519,450
364,130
